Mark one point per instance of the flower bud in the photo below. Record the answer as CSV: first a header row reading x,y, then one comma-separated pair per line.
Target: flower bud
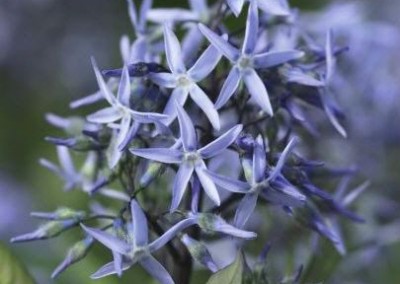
x,y
62,213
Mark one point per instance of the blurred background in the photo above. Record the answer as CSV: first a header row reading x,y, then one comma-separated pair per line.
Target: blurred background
x,y
45,49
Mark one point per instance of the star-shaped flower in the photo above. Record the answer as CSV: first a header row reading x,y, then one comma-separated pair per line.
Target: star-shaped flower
x,y
183,81
190,158
136,248
257,184
129,120
245,62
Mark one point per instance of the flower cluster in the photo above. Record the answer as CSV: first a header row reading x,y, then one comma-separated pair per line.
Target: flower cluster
x,y
181,169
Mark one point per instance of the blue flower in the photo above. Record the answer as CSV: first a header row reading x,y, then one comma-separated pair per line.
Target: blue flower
x,y
274,188
245,62
183,81
273,7
136,248
190,159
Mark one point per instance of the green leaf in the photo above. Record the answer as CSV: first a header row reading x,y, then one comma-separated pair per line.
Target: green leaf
x,y
232,274
12,270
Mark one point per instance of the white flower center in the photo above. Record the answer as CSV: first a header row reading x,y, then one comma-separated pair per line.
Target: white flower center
x,y
184,81
245,62
191,157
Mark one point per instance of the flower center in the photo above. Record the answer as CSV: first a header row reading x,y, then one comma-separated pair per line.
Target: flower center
x,y
184,81
191,157
245,62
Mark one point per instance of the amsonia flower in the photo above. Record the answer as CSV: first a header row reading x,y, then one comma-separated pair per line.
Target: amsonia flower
x,y
183,81
245,62
256,184
190,159
273,7
129,120
136,248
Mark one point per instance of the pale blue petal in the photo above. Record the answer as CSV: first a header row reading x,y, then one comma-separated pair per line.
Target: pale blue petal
x,y
110,241
274,7
173,51
187,131
51,166
199,6
139,223
167,80
155,269
129,135
88,100
191,43
220,43
257,90
117,263
124,47
251,34
123,131
245,209
349,198
228,183
331,115
144,9
124,89
282,159
206,105
181,181
162,155
205,64
109,269
236,6
230,85
330,58
259,160
171,233
178,95
66,161
113,154
102,85
221,143
146,117
139,50
167,15
58,121
274,58
223,227
105,115
133,14
297,76
207,183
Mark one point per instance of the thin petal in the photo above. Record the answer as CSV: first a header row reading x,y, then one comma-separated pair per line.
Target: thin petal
x,y
223,227
257,90
129,135
191,44
144,9
245,209
236,6
139,223
206,105
66,161
124,89
205,64
181,181
173,51
187,131
102,85
207,183
220,43
117,263
297,76
274,58
109,269
331,115
259,160
124,47
178,95
251,35
167,80
170,234
274,7
155,269
123,130
110,241
88,100
104,116
330,58
221,143
228,183
282,159
167,15
230,85
163,155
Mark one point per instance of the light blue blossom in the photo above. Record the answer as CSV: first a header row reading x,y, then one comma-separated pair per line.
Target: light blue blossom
x,y
190,159
245,62
273,7
184,82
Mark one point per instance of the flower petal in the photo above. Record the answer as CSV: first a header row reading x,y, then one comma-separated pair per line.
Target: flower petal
x,y
181,181
282,159
230,85
129,135
330,58
222,226
221,143
117,263
88,100
109,269
228,183
163,155
123,131
124,89
66,161
179,95
104,116
259,160
155,269
110,241
203,102
167,80
257,90
205,64
173,51
102,85
251,34
273,58
187,131
207,183
220,43
274,7
245,209
236,6
139,224
144,9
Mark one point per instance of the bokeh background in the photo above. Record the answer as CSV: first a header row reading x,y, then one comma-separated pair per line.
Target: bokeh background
x,y
45,49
